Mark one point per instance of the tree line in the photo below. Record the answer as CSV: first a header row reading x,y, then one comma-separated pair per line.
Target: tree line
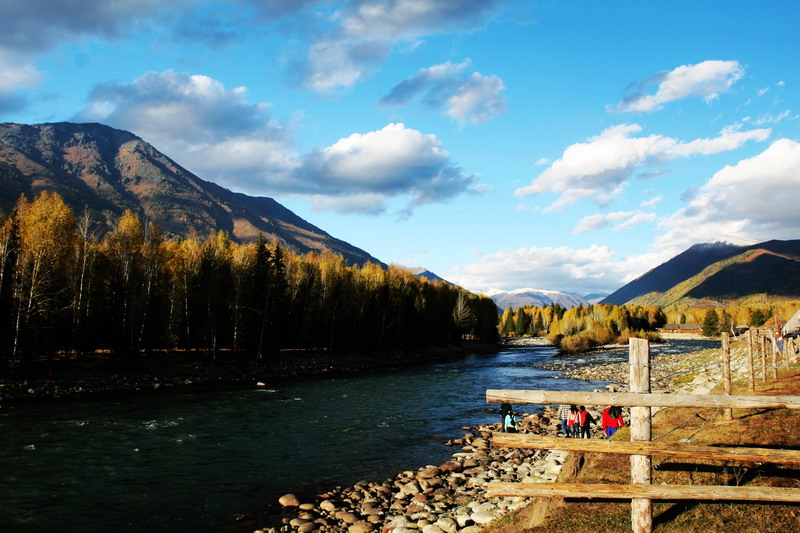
x,y
582,328
67,288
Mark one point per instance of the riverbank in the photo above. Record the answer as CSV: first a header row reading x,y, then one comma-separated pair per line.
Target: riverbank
x,y
450,498
100,374
693,373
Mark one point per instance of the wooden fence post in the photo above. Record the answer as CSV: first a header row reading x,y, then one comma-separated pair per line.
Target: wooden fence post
x,y
726,370
763,347
770,341
750,360
641,430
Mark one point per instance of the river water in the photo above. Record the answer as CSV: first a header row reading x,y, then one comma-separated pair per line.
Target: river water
x,y
192,460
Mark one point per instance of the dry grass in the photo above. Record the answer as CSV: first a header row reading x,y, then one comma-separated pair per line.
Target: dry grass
x,y
765,428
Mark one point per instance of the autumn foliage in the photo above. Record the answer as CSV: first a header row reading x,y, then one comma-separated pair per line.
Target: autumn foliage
x,y
64,288
582,328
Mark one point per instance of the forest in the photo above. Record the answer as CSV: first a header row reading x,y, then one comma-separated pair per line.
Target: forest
x,y
67,288
582,328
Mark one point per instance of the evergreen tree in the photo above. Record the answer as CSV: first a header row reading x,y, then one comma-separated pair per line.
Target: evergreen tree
x,y
711,323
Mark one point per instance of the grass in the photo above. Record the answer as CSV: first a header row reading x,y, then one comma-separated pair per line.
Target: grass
x,y
766,428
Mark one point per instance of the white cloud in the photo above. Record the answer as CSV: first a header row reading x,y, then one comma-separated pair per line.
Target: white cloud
x,y
619,220
365,31
393,161
602,165
563,268
756,199
447,86
17,71
705,80
652,202
216,133
194,119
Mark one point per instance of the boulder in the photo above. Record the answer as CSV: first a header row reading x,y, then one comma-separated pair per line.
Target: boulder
x,y
289,500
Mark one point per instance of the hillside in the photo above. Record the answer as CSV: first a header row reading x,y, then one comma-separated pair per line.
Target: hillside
x,y
718,271
110,170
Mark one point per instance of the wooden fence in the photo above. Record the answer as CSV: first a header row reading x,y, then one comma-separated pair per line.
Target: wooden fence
x,y
641,448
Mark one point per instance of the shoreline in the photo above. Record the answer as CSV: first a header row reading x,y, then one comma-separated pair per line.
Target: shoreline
x,y
101,376
450,498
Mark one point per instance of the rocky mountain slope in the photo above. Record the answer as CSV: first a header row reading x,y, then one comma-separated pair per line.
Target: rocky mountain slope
x,y
718,271
110,170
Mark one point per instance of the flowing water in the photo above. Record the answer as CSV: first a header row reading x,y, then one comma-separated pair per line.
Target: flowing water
x,y
191,460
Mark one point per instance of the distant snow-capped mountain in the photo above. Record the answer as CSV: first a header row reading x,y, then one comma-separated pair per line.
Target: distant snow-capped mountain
x,y
535,297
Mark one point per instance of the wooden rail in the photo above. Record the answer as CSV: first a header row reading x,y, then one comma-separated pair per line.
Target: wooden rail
x,y
651,492
684,451
546,397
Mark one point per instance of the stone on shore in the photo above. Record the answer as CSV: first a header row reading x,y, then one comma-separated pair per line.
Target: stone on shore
x,y
289,500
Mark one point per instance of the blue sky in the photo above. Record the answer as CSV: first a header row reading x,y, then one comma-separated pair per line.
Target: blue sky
x,y
555,145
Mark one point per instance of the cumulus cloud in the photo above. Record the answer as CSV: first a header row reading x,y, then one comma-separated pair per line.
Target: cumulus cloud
x,y
606,162
618,220
17,71
462,96
365,31
217,134
394,161
194,119
705,80
579,270
754,198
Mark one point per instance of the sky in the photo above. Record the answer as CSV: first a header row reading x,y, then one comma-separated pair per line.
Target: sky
x,y
500,144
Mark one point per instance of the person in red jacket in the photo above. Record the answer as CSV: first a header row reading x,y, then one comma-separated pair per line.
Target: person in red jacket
x,y
612,420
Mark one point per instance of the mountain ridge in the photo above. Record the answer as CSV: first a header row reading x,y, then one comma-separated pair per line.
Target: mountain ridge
x,y
110,170
718,272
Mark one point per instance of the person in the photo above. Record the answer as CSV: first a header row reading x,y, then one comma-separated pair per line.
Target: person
x,y
508,422
586,420
612,420
563,414
574,422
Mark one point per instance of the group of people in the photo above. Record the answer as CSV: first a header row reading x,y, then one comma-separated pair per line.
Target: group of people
x,y
575,421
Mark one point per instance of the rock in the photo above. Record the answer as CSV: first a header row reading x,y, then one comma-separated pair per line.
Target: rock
x,y
361,526
472,529
328,506
483,517
432,528
306,506
308,527
289,500
448,525
346,517
429,472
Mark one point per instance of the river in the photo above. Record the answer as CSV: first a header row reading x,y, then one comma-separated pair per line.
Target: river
x,y
192,460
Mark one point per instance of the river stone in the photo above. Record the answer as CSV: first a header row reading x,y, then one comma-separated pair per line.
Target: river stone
x,y
472,529
483,517
346,517
448,525
289,500
410,488
327,505
297,522
362,526
308,527
306,506
429,472
432,528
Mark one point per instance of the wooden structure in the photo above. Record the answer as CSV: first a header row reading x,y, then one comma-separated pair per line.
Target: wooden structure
x,y
641,492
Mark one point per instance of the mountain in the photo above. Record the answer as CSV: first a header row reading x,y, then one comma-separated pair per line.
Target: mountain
x,y
719,270
424,273
110,170
535,297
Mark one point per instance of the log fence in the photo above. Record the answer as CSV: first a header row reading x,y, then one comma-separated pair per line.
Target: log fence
x,y
642,448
